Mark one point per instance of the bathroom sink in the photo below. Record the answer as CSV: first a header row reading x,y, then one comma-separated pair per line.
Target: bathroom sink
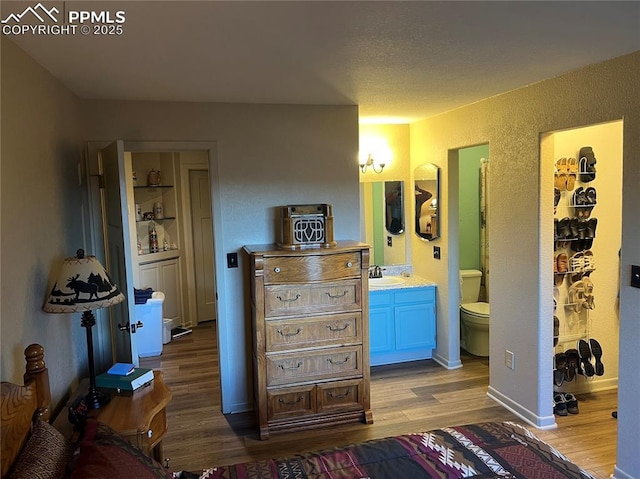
x,y
385,281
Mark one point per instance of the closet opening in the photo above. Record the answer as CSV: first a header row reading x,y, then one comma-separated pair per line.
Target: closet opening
x,y
582,170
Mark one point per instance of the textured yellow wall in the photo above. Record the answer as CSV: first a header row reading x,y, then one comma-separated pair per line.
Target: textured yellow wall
x,y
521,216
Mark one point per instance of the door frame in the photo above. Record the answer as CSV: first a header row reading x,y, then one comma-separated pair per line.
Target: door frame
x,y
95,233
185,189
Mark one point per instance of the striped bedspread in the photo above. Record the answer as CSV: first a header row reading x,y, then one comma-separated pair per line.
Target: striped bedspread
x,y
482,451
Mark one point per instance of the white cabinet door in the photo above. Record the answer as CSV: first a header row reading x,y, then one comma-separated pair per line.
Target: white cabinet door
x,y
164,276
170,277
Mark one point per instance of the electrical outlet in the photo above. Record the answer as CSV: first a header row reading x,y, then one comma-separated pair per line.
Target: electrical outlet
x,y
436,252
509,359
232,260
389,241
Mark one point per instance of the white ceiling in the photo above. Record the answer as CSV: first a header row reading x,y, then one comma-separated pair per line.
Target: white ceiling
x,y
399,61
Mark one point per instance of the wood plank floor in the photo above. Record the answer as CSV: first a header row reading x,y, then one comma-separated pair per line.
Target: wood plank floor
x,y
411,398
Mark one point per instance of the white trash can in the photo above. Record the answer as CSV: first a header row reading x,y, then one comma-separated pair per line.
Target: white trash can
x,y
166,330
149,336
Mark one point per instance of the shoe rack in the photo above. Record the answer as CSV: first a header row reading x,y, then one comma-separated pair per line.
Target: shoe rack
x,y
575,200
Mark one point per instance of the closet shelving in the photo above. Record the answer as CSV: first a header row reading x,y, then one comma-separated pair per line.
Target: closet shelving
x,y
574,314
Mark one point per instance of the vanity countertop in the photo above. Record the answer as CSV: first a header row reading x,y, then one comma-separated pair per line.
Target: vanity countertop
x,y
413,281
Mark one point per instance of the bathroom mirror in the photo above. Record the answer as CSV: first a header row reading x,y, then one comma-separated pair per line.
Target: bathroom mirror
x,y
427,193
394,207
387,249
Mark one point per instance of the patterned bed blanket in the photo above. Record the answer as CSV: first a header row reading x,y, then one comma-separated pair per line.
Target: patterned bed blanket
x,y
481,451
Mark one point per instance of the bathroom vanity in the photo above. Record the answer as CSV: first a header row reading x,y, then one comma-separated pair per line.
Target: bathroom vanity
x,y
402,320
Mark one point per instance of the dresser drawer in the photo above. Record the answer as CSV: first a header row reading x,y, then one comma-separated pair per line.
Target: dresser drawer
x,y
321,267
339,395
312,332
290,300
314,365
291,402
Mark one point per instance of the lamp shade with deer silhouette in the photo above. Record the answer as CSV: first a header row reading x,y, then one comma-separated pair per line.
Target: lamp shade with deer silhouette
x,y
82,286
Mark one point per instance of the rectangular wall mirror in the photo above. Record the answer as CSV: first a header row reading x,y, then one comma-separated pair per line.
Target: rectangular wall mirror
x,y
388,248
427,192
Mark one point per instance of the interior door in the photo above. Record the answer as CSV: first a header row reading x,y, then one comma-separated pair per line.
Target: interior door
x,y
202,226
118,252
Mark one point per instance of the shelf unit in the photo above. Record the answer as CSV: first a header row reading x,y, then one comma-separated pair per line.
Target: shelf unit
x,y
574,325
159,270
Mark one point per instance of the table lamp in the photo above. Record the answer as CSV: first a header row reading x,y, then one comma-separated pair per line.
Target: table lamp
x,y
82,286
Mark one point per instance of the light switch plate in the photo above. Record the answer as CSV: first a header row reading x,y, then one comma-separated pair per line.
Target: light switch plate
x,y
635,276
232,260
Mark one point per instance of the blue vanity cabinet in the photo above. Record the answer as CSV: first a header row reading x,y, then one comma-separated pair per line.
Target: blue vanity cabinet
x,y
402,324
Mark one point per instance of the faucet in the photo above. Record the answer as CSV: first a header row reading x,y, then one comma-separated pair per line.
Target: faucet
x,y
375,272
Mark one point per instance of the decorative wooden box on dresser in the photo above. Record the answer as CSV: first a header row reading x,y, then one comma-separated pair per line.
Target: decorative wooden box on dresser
x,y
310,335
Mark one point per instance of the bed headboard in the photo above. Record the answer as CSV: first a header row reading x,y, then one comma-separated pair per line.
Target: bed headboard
x,y
22,404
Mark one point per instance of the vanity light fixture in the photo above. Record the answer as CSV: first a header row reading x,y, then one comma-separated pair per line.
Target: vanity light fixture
x,y
369,162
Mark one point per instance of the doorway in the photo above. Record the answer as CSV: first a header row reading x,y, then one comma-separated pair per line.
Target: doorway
x,y
202,241
586,267
473,248
187,156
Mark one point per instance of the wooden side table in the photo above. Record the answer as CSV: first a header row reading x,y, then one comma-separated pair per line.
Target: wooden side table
x,y
140,417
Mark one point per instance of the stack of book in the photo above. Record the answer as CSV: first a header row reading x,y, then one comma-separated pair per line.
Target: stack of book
x,y
124,377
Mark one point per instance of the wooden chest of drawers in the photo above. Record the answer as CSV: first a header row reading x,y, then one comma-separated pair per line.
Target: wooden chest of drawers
x,y
310,334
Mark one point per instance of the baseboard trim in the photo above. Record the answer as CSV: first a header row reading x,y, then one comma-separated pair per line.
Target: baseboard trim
x,y
620,474
586,386
445,363
539,422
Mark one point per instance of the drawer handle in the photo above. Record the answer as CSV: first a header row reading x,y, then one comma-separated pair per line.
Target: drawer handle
x,y
285,300
290,403
336,329
287,335
276,269
349,264
336,363
290,368
334,296
150,433
340,396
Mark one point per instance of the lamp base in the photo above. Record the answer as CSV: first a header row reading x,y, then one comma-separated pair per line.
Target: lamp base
x,y
96,399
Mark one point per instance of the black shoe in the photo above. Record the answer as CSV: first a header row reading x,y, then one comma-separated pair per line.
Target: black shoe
x,y
559,404
587,164
572,403
561,366
572,364
596,350
585,358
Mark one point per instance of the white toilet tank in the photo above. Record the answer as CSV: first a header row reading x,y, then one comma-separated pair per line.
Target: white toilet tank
x,y
470,280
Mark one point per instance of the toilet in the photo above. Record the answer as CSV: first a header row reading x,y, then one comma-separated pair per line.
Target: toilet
x,y
474,315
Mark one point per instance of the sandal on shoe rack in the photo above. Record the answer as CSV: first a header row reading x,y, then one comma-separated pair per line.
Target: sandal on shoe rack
x,y
562,173
562,263
576,296
572,167
576,262
589,262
